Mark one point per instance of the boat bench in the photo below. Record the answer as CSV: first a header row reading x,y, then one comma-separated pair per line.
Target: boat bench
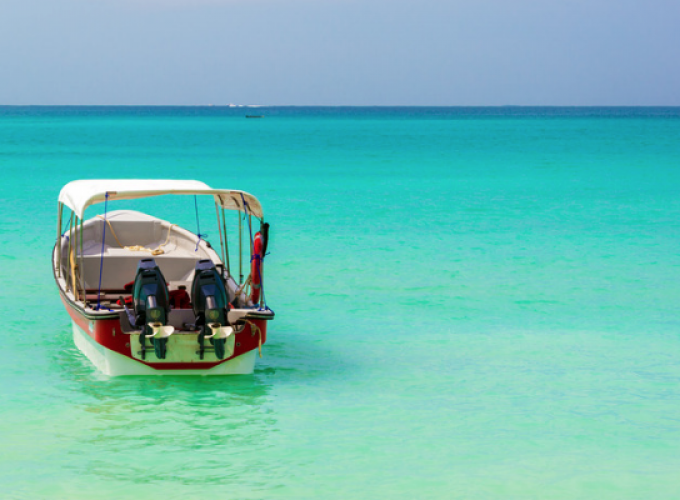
x,y
120,267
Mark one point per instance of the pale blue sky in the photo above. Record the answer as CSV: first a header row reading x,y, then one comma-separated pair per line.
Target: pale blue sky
x,y
340,52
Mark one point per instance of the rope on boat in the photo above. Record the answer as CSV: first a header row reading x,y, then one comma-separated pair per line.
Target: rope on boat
x,y
241,289
254,329
259,337
139,248
198,225
68,228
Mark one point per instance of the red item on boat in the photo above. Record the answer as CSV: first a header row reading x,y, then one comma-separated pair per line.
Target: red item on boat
x,y
256,268
179,299
128,301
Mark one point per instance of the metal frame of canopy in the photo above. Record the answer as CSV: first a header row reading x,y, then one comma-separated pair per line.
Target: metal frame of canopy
x,y
79,195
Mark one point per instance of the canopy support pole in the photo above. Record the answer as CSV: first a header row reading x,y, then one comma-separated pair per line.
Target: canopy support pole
x,y
101,260
263,303
240,249
60,211
82,262
69,251
252,242
217,213
250,230
226,241
71,260
76,280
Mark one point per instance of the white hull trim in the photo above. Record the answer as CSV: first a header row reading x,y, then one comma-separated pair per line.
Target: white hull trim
x,y
115,364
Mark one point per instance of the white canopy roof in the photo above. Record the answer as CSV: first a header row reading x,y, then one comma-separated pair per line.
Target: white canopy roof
x,y
78,195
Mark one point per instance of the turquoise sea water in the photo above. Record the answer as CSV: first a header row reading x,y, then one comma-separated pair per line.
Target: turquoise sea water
x,y
471,304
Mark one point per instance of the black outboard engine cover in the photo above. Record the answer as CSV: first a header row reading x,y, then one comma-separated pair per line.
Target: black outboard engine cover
x,y
211,304
151,302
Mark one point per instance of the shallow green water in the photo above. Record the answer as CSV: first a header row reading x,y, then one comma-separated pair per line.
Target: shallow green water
x,y
471,303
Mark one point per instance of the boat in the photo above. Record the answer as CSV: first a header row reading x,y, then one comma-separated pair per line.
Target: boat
x,y
148,297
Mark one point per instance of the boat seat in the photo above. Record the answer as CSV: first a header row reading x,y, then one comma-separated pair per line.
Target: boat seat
x,y
120,266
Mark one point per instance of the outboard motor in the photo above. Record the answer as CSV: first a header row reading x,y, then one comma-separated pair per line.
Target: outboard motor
x,y
211,305
152,305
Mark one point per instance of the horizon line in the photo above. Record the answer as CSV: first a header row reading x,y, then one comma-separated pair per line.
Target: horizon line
x,y
232,106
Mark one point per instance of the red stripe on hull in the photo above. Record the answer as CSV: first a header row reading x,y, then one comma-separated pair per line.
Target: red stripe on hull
x,y
108,333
